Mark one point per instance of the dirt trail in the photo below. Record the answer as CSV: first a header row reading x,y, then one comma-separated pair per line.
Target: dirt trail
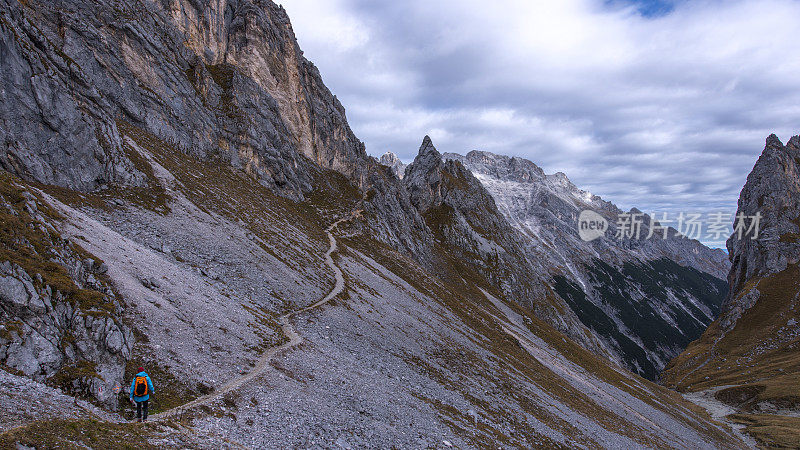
x,y
294,339
720,411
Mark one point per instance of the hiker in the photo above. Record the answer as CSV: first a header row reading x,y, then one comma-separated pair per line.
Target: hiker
x,y
141,388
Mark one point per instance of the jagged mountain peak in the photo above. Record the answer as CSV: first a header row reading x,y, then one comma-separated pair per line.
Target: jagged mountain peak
x,y
520,170
774,144
501,166
423,177
427,150
773,191
748,356
794,143
774,141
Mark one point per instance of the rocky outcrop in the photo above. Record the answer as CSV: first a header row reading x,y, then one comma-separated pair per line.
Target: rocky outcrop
x,y
46,337
393,162
645,298
773,192
59,320
751,349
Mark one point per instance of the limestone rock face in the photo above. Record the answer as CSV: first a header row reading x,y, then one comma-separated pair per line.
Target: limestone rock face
x,y
221,79
773,191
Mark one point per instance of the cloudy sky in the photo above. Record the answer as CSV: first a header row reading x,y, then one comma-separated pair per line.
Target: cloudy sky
x,y
662,105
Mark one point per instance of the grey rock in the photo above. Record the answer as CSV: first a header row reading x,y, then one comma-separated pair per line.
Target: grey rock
x,y
44,331
88,265
773,191
13,292
393,162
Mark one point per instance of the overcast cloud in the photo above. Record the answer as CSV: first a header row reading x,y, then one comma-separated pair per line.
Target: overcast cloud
x,y
659,105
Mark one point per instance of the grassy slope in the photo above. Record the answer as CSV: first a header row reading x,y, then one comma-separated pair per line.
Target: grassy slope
x,y
770,430
76,434
759,351
759,357
95,434
471,306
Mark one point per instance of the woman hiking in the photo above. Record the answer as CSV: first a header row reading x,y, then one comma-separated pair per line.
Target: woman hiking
x,y
141,388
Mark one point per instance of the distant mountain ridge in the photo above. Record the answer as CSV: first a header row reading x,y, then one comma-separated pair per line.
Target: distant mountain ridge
x,y
630,292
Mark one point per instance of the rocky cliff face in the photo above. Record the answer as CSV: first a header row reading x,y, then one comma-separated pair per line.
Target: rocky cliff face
x,y
751,349
215,79
79,67
60,320
645,298
772,191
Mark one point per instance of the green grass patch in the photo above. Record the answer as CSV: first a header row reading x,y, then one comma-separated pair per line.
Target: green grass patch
x,y
81,372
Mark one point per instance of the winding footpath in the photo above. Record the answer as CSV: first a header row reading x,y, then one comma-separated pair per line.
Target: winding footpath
x,y
720,411
294,339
